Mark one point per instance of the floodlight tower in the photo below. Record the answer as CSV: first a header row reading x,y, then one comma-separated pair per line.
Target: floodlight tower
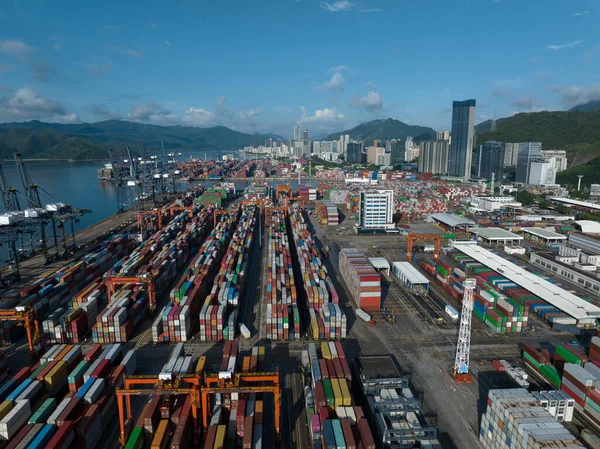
x,y
463,346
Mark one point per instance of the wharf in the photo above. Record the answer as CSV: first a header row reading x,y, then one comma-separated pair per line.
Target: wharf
x,y
35,266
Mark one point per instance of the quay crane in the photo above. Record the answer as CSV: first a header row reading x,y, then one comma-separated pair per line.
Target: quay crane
x,y
463,345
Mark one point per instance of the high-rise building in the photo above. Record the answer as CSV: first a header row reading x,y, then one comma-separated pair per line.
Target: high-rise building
x,y
528,151
376,209
557,159
433,157
296,132
305,134
298,148
463,138
443,135
511,154
269,142
412,153
316,147
487,159
373,154
354,152
398,151
541,173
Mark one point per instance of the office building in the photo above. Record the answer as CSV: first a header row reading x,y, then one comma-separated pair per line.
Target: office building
x,y
487,159
492,203
528,151
412,153
296,133
354,152
433,157
383,159
443,135
316,147
511,154
584,242
376,209
557,159
305,134
373,153
541,173
463,139
298,148
595,189
398,150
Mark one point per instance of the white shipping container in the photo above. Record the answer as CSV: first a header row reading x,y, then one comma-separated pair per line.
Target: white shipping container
x,y
95,391
31,392
363,315
56,413
18,416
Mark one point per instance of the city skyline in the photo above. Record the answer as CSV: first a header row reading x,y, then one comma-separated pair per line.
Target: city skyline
x,y
159,63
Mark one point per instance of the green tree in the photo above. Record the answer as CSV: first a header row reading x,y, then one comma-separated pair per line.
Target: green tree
x,y
525,197
543,204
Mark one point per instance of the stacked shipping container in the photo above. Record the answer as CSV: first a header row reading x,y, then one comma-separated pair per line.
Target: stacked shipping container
x,y
362,280
328,214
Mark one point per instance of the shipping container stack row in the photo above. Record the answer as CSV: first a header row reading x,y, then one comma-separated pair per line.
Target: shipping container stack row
x,y
328,213
326,317
307,192
333,417
514,418
177,321
497,302
580,374
282,313
162,257
65,400
51,294
362,280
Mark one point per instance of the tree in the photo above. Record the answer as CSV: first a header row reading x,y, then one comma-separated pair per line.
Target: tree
x,y
544,204
563,210
524,197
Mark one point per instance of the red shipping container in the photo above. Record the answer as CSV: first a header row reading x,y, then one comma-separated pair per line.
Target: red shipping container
x,y
320,400
346,369
576,398
323,414
93,353
365,435
102,369
339,372
22,374
63,435
324,370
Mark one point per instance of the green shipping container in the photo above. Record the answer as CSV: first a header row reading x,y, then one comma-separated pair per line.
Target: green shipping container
x,y
568,355
549,372
136,439
531,360
78,372
442,270
449,236
329,393
39,370
43,413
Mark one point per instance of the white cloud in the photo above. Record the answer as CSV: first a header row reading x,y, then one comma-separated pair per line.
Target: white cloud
x,y
199,117
6,68
522,103
371,85
326,115
100,111
335,83
563,46
370,10
339,68
575,95
583,13
98,69
152,25
338,6
18,49
150,112
113,27
137,54
543,74
249,113
168,43
372,102
26,104
42,71
57,43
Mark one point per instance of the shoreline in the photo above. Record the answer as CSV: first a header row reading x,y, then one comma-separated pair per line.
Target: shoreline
x,y
57,160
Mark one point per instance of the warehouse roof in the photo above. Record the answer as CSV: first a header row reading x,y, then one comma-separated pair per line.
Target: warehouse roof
x,y
545,233
572,305
588,226
496,234
380,263
452,220
413,275
586,204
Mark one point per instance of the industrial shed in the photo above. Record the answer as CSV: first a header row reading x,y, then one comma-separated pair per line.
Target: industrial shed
x,y
410,276
587,226
542,235
581,310
497,236
452,221
380,263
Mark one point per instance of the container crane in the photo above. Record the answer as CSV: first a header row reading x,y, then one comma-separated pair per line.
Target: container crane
x,y
463,345
144,279
9,194
117,180
437,243
26,317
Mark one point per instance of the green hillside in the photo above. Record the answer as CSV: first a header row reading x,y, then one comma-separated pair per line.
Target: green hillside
x,y
386,130
589,170
593,105
578,133
95,138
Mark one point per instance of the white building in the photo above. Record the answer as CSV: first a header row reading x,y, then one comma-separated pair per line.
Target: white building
x,y
412,152
595,189
511,154
492,203
585,242
579,274
541,173
376,209
433,157
557,159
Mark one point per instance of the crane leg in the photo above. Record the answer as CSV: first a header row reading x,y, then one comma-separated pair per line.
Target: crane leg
x,y
121,419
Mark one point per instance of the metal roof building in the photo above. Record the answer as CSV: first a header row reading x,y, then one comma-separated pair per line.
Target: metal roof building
x,y
572,305
496,236
588,226
412,277
380,263
544,235
453,221
577,203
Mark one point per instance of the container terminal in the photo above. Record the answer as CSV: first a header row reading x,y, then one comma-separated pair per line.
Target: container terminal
x,y
263,318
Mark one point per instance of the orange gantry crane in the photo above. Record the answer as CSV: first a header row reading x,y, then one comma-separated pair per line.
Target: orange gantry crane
x,y
283,188
174,209
437,244
224,212
26,317
198,386
144,279
142,215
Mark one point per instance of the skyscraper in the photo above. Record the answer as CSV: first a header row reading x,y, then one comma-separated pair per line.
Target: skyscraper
x,y
296,132
463,136
487,159
511,154
528,152
354,152
398,151
305,134
433,157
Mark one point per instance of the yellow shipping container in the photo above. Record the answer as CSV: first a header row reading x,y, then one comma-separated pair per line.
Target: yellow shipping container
x,y
346,398
261,353
64,352
6,407
220,438
56,378
162,433
314,325
325,350
337,393
201,364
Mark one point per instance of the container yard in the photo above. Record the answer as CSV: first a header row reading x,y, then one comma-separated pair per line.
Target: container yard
x,y
362,280
328,213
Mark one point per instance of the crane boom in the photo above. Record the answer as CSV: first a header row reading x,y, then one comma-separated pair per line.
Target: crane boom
x,y
463,345
132,167
9,194
31,189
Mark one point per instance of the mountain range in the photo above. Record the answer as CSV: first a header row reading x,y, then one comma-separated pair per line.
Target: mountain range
x,y
386,129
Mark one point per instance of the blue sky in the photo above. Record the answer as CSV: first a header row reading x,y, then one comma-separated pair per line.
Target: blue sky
x,y
263,65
